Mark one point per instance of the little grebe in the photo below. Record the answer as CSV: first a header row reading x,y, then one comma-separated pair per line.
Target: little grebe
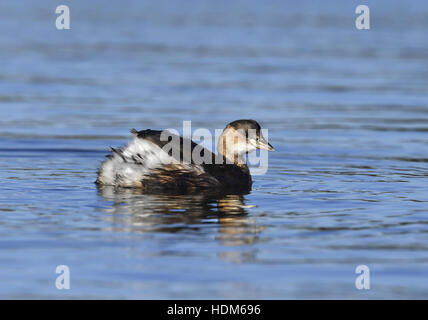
x,y
145,163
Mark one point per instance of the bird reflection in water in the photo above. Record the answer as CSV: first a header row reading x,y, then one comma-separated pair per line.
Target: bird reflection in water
x,y
132,211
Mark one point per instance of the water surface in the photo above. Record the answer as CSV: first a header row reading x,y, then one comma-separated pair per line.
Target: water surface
x,y
347,112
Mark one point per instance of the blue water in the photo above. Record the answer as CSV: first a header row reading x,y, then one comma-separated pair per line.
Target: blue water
x,y
347,112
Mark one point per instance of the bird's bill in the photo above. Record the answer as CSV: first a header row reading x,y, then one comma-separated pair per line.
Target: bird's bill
x,y
262,144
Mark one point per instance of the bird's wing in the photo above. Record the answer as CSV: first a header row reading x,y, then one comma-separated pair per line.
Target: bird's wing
x,y
175,146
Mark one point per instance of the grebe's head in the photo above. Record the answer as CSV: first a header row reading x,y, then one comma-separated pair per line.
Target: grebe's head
x,y
240,137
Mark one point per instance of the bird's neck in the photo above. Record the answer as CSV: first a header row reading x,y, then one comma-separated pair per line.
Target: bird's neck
x,y
226,149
